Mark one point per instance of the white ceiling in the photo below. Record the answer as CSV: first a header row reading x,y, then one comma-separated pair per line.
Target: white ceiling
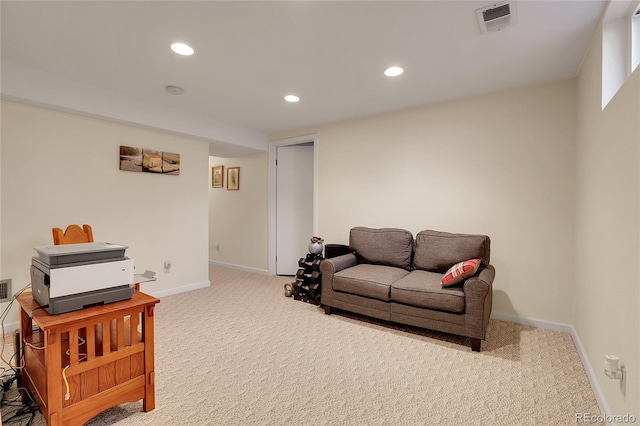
x,y
112,59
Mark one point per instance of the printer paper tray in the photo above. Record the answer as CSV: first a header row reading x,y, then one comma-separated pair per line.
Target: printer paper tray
x,y
74,302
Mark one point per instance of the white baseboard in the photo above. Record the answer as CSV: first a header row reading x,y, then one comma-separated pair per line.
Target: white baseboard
x,y
11,327
570,329
239,267
182,289
591,374
533,322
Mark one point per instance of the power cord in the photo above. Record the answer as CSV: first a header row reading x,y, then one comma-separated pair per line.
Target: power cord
x,y
21,413
82,357
3,316
14,408
18,412
31,344
66,383
6,384
40,307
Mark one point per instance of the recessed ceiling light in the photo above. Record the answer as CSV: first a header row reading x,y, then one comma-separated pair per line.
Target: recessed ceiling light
x,y
393,71
182,49
291,98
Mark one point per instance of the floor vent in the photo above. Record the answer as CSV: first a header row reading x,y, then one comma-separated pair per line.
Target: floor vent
x,y
497,17
5,290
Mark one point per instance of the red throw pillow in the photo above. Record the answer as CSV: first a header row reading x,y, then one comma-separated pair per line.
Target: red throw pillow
x,y
460,271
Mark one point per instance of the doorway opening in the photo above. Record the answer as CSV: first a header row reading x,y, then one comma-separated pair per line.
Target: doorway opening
x,y
292,202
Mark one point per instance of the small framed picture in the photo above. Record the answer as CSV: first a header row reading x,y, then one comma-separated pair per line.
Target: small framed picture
x,y
217,176
233,178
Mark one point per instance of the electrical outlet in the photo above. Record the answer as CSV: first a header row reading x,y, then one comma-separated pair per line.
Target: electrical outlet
x,y
167,266
217,246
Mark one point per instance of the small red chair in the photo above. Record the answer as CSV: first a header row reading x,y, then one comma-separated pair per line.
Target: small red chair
x,y
73,235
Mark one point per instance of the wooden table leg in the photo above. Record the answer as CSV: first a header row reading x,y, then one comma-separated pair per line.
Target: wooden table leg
x,y
25,336
53,358
149,402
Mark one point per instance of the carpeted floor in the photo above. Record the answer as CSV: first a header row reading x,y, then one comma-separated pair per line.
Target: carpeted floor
x,y
240,353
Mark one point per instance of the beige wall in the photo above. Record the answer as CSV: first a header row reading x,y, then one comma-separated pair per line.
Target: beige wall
x,y
501,164
238,220
607,278
2,276
59,168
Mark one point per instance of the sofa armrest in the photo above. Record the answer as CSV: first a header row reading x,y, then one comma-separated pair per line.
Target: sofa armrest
x,y
478,292
328,268
480,283
337,264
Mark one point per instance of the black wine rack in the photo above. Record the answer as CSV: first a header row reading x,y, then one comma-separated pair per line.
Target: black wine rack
x,y
307,286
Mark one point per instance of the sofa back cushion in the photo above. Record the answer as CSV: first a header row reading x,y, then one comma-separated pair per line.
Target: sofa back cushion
x,y
386,246
438,251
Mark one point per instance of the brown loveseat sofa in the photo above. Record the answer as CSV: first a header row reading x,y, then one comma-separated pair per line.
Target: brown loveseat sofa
x,y
391,277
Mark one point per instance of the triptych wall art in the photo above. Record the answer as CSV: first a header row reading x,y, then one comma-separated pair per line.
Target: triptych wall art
x,y
233,178
134,159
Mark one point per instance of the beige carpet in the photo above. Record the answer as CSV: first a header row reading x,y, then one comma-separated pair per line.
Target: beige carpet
x,y
240,353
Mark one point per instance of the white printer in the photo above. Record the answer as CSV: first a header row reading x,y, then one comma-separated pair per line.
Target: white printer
x,y
69,277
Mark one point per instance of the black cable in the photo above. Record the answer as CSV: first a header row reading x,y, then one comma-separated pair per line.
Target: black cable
x,y
23,413
8,377
40,307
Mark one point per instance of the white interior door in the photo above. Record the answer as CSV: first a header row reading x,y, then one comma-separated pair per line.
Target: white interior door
x,y
294,205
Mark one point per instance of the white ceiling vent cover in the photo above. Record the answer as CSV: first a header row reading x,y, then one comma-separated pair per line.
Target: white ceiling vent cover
x,y
497,17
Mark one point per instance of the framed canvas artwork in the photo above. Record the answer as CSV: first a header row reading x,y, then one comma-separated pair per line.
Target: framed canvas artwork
x,y
133,159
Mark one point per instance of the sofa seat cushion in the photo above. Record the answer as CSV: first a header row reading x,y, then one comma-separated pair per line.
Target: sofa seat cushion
x,y
423,289
368,280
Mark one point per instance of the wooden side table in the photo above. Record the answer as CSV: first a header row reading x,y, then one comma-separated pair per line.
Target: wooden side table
x,y
81,363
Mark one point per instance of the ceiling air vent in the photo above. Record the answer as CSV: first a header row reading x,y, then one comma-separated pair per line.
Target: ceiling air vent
x,y
497,17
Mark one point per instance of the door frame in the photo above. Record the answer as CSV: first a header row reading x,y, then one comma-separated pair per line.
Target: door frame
x,y
273,148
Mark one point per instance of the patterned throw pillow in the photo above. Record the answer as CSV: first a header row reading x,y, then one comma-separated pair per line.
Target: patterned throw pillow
x,y
460,271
